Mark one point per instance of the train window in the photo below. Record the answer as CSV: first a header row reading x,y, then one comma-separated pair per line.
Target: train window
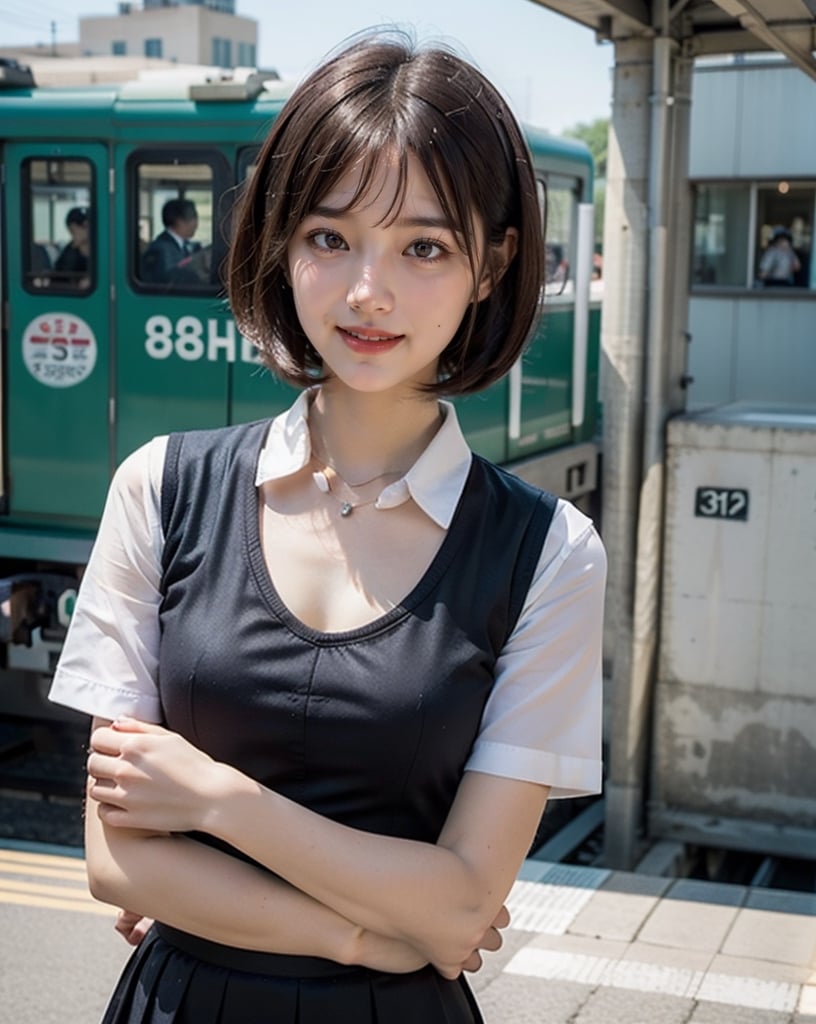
x,y
176,243
754,235
58,234
560,233
247,161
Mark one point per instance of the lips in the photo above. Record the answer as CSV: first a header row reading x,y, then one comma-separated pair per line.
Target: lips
x,y
367,339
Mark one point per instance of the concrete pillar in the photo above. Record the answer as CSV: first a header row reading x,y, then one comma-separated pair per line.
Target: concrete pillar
x,y
647,241
623,339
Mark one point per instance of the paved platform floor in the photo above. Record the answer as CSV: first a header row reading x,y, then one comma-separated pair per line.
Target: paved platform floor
x,y
586,946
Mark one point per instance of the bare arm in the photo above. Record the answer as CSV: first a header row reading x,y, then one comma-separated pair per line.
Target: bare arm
x,y
440,899
160,876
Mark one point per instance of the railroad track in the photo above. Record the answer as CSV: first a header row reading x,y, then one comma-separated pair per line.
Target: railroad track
x,y
41,780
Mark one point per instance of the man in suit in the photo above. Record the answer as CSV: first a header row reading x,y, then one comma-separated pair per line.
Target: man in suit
x,y
169,257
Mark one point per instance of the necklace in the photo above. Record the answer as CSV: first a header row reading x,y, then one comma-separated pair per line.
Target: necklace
x,y
323,484
328,464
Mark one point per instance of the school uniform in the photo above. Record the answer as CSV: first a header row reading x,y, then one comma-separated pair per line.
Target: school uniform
x,y
488,664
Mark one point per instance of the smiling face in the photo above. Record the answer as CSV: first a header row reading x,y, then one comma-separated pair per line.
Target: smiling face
x,y
380,288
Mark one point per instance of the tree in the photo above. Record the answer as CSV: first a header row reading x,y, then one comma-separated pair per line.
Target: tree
x,y
595,136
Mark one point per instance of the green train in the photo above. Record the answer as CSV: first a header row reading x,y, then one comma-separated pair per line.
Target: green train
x,y
98,355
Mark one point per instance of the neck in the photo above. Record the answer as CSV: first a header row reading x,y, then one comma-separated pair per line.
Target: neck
x,y
366,435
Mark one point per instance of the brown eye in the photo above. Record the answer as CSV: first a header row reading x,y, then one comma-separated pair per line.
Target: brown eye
x,y
426,249
330,240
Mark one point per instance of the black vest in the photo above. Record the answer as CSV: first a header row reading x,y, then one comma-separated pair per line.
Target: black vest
x,y
373,726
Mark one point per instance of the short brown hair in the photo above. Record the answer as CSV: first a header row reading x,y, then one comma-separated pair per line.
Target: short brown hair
x,y
383,94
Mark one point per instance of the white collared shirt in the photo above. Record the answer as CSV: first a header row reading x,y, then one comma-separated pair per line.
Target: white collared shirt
x,y
435,481
180,242
542,721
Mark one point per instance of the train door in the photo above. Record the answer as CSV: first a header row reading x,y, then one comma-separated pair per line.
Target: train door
x,y
57,276
541,384
175,340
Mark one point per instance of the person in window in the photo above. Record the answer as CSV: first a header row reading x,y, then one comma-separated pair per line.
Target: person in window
x,y
557,268
779,264
170,257
75,258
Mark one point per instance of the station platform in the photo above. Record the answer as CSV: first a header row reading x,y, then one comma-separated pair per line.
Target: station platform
x,y
585,946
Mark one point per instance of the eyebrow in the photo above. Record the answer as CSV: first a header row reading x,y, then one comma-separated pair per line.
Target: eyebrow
x,y
402,222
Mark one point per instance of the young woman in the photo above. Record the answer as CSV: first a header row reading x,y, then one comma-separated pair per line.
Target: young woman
x,y
354,658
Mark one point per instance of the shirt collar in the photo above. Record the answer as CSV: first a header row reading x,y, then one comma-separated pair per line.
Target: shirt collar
x,y
435,481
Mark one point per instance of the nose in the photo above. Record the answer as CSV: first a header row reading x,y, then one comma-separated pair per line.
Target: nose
x,y
370,291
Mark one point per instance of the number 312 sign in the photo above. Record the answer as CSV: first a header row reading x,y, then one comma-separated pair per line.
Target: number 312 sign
x,y
721,503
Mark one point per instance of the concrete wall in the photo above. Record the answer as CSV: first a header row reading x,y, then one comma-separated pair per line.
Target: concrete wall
x,y
735,724
753,124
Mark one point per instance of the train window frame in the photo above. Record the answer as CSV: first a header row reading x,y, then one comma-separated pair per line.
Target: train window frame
x,y
52,281
247,158
561,289
755,201
220,185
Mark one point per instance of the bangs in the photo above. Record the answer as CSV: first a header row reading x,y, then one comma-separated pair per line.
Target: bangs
x,y
363,143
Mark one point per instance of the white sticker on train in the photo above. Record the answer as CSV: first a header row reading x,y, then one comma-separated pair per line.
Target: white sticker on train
x,y
192,339
59,349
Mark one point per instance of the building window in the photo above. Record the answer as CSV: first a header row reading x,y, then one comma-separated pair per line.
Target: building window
x,y
153,48
721,221
754,235
785,214
246,55
119,48
222,52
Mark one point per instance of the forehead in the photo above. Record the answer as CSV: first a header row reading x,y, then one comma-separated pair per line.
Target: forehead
x,y
388,184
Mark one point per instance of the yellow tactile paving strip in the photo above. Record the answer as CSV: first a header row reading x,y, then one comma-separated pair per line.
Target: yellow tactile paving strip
x,y
47,880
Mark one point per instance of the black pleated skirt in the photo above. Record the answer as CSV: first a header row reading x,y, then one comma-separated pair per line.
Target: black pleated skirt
x,y
176,978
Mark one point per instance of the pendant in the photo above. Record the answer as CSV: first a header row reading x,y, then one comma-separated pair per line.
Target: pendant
x,y
346,509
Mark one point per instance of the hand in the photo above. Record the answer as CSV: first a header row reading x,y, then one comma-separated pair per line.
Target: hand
x,y
132,927
490,941
146,777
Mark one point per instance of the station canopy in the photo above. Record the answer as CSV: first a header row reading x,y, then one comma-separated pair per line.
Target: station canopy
x,y
705,27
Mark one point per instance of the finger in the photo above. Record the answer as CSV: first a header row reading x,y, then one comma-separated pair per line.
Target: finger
x,y
101,766
125,920
126,724
502,918
491,940
105,741
140,930
473,962
104,791
114,816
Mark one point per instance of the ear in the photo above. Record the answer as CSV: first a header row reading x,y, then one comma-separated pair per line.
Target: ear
x,y
499,259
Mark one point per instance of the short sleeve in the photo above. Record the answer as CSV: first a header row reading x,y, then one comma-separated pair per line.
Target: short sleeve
x,y
109,662
543,720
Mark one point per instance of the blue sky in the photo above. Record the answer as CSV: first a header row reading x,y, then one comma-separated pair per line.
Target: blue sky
x,y
552,70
